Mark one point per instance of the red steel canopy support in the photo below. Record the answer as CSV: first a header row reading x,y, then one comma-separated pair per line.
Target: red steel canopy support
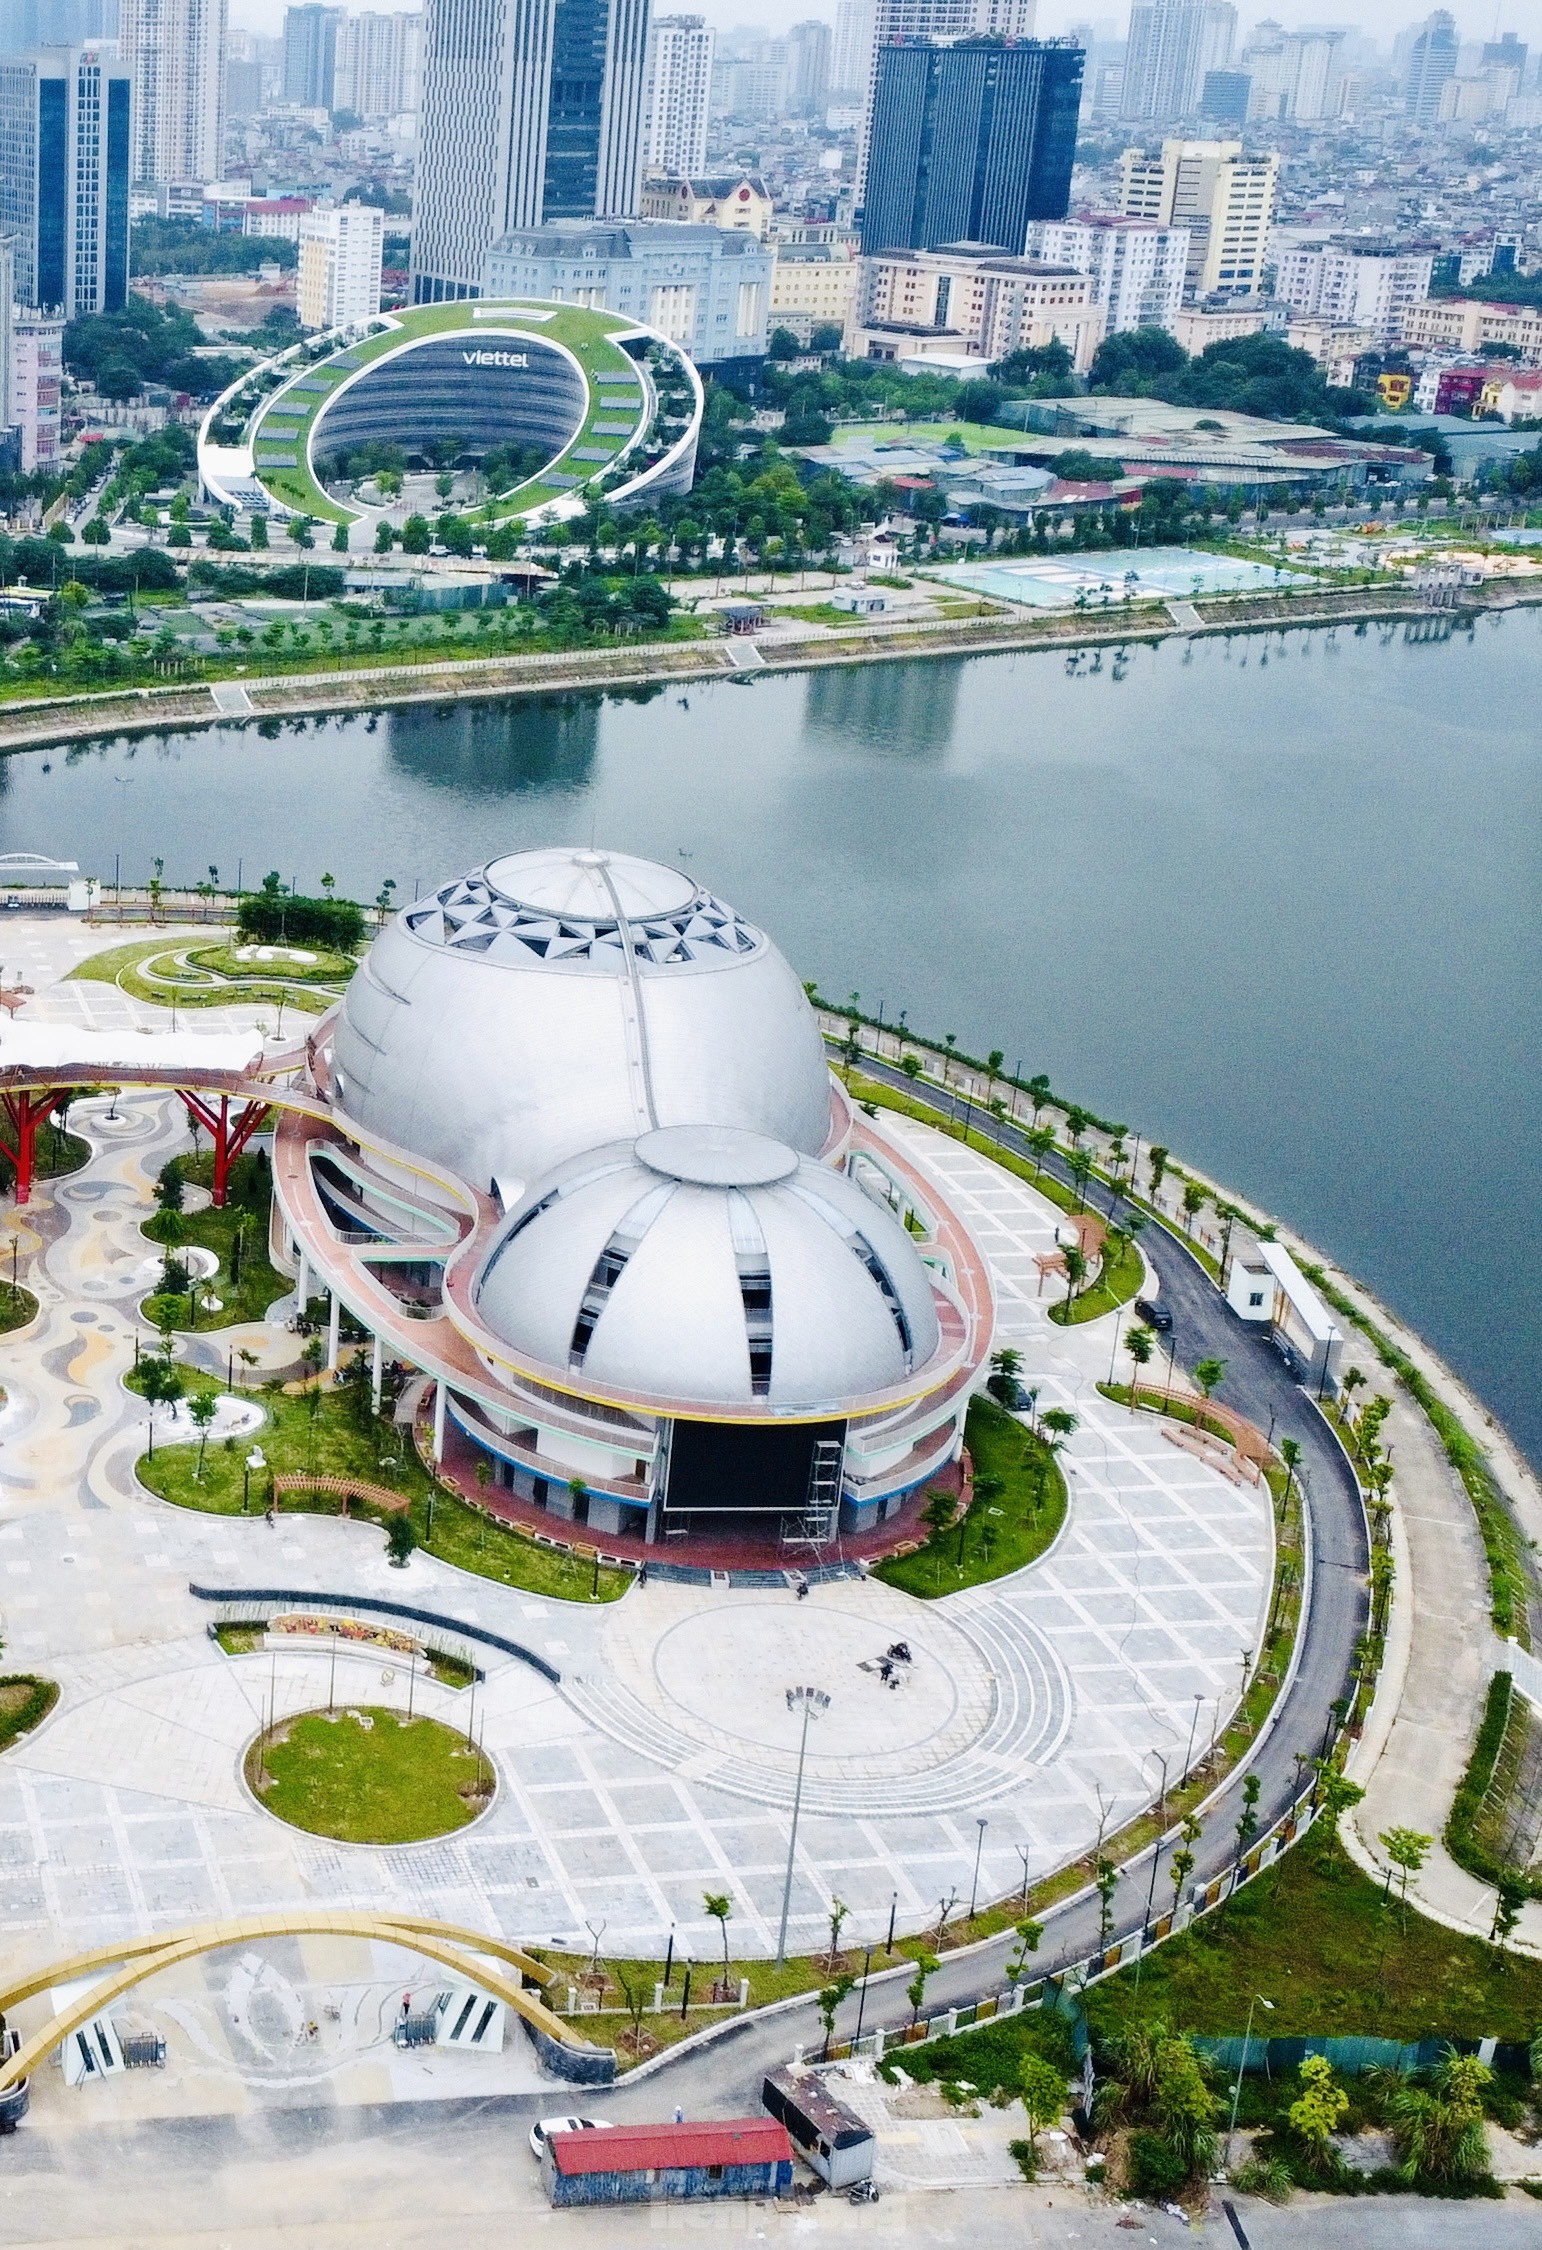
x,y
26,1112
229,1138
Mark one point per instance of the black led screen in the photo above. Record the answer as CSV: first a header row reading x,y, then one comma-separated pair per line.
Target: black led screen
x,y
737,1468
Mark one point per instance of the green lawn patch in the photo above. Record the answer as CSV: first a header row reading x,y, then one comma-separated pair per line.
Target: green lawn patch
x,y
1511,1577
369,1776
325,1433
1002,1532
25,1702
1122,1276
211,977
1313,1935
17,1307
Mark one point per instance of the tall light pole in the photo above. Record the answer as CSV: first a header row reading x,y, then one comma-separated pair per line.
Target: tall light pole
x,y
1257,2001
1188,1755
811,1701
981,1823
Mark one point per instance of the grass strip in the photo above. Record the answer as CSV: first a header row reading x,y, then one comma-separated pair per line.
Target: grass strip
x,y
1466,1831
1335,1955
322,1432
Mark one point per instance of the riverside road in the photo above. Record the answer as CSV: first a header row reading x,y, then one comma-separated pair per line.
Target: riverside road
x,y
726,2073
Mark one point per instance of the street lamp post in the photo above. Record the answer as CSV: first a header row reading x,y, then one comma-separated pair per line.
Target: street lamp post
x,y
811,1701
257,1460
1193,1729
1161,1758
862,1999
1257,2001
981,1823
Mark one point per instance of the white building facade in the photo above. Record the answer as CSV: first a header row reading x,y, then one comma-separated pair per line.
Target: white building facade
x,y
679,96
518,128
1295,74
986,304
37,375
1172,45
1137,267
378,71
1224,198
1360,285
338,281
175,50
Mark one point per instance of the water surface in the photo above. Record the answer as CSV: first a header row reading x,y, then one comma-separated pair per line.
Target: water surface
x,y
1274,901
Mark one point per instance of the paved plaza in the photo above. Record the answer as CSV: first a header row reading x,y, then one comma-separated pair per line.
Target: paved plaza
x,y
661,1766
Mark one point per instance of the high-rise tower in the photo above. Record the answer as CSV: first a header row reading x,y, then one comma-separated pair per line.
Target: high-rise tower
x,y
176,52
64,177
532,110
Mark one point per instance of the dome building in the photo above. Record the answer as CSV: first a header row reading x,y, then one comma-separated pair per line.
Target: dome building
x,y
558,1000
577,1155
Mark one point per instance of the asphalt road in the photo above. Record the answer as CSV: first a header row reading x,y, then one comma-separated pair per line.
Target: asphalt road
x,y
1258,1384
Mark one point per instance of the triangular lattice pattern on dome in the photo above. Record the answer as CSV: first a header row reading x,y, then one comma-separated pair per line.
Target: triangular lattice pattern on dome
x,y
473,918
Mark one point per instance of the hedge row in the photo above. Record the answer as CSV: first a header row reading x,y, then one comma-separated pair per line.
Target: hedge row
x,y
1462,1840
274,917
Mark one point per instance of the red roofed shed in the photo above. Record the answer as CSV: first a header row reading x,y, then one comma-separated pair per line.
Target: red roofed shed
x,y
644,2163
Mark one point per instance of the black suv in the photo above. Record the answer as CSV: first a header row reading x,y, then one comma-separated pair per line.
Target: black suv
x,y
1155,1315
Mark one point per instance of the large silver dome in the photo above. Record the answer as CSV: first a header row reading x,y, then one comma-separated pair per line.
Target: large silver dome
x,y
709,1264
560,999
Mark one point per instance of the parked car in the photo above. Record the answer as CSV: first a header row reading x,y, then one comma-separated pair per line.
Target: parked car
x,y
1154,1314
546,2125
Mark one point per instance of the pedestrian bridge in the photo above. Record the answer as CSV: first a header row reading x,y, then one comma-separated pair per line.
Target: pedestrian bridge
x,y
112,1970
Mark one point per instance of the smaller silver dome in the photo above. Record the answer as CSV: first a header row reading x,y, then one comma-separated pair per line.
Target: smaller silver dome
x,y
711,1264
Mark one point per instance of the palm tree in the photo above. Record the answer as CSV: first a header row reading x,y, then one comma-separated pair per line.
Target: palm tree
x,y
1041,1142
1209,1374
720,1906
1194,1200
1140,1344
1006,1366
1075,1274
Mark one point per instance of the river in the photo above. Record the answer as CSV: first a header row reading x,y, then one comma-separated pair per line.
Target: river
x,y
1274,899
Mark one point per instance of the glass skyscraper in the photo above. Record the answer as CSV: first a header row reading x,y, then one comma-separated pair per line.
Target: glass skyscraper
x,y
64,177
970,141
532,110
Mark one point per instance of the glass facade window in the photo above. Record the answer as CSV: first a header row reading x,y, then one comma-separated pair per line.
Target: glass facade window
x,y
970,142
53,188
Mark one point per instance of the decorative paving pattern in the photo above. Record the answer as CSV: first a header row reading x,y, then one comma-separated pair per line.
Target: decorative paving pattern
x,y
1038,1704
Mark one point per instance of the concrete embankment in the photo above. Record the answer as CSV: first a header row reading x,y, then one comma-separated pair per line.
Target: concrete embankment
x,y
35,724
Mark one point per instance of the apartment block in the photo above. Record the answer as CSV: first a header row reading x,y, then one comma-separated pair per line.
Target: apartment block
x,y
1137,267
338,280
1365,284
678,100
1462,324
1223,197
814,284
988,304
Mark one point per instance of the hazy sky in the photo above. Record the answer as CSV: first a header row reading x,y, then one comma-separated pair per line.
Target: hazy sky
x,y
1382,18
